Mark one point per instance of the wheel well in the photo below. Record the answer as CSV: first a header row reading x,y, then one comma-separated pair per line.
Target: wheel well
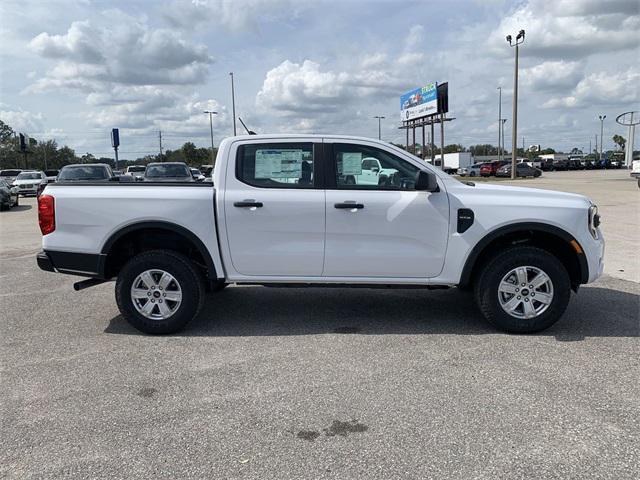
x,y
561,246
133,242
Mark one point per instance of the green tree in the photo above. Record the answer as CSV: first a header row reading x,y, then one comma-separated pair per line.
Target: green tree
x,y
620,141
453,148
6,132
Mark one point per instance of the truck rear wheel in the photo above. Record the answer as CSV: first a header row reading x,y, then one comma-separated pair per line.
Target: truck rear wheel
x,y
159,291
523,290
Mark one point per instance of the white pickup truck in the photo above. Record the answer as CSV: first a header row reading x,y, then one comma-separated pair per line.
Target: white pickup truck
x,y
284,210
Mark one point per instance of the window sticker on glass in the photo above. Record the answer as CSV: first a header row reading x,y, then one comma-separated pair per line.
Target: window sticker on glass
x,y
351,163
278,164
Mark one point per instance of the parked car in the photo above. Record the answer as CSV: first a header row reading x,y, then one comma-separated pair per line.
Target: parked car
x,y
136,171
522,170
521,250
8,195
546,165
85,172
10,175
471,170
206,170
168,172
196,174
490,168
51,175
635,170
30,182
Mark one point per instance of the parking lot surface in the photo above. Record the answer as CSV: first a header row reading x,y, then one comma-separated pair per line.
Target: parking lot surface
x,y
322,383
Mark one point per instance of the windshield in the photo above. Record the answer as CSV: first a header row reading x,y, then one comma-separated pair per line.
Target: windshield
x,y
9,173
83,173
167,171
29,176
135,169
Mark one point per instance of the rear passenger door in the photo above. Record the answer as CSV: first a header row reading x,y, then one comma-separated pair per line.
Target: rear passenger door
x,y
275,209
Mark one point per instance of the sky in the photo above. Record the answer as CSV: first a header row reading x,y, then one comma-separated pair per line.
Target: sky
x,y
73,69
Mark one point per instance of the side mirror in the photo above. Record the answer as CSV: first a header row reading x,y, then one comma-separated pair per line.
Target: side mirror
x,y
375,169
426,182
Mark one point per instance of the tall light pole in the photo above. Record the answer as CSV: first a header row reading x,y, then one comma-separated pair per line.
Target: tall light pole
x,y
514,130
499,123
502,122
379,128
233,104
601,117
211,114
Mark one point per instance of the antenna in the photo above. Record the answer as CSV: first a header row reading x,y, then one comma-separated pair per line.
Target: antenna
x,y
250,132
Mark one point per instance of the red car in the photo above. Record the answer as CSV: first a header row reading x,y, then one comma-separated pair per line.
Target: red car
x,y
489,169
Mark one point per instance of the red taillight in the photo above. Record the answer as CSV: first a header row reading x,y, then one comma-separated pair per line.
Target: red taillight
x,y
46,214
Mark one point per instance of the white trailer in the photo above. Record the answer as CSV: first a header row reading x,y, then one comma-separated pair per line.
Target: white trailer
x,y
454,161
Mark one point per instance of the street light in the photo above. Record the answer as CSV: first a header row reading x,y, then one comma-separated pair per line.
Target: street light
x,y
379,131
514,130
211,114
499,122
601,117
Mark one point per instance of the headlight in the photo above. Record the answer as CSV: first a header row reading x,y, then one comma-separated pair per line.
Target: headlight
x,y
594,221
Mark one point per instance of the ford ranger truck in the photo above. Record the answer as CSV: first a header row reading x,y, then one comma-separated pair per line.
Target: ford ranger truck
x,y
303,210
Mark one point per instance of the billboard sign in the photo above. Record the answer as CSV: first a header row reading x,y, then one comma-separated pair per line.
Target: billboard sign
x,y
115,137
419,103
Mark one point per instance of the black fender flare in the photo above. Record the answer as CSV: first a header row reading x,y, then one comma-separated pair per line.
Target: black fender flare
x,y
172,227
472,259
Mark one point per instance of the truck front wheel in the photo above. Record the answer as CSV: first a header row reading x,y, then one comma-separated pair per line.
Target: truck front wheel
x,y
159,291
523,290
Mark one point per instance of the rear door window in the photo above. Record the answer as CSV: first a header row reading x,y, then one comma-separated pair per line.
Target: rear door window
x,y
276,165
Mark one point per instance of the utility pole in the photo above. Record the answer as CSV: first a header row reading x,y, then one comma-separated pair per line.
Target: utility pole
x,y
514,131
502,122
499,123
211,114
442,141
601,117
233,104
160,139
379,127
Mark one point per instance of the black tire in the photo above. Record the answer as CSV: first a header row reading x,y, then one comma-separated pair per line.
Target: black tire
x,y
186,274
17,204
487,282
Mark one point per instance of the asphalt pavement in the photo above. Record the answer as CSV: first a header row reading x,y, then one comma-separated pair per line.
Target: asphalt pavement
x,y
312,383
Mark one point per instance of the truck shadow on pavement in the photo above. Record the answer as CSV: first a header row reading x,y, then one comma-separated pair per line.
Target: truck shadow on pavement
x,y
262,311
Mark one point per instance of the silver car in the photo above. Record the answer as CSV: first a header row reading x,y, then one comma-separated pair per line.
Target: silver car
x,y
30,182
471,170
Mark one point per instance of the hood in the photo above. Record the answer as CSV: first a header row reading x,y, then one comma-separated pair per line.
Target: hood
x,y
506,194
26,181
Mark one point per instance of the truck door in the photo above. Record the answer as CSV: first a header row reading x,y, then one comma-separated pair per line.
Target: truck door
x,y
386,229
275,209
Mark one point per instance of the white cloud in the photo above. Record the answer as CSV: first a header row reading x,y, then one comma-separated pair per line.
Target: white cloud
x,y
570,28
600,88
21,120
234,15
129,52
552,75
